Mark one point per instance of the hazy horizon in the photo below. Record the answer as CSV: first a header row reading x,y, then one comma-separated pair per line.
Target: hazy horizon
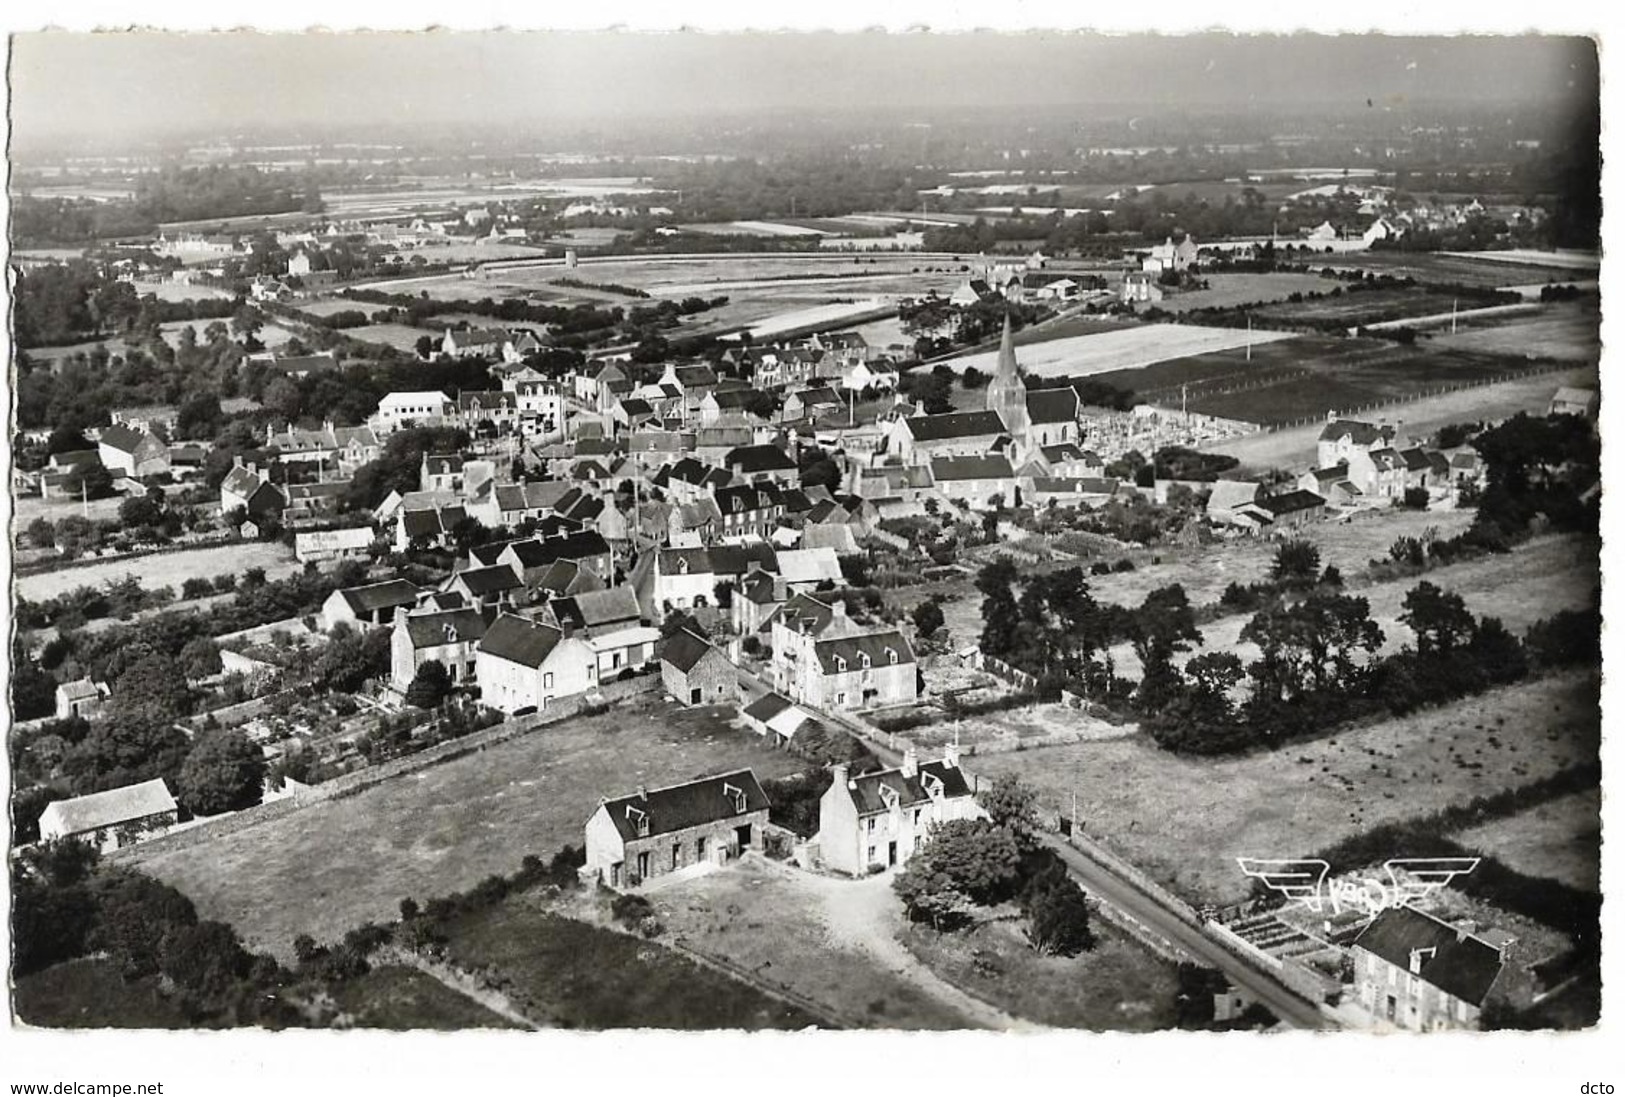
x,y
147,85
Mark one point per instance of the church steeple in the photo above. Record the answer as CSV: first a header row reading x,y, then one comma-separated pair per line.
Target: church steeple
x,y
1007,393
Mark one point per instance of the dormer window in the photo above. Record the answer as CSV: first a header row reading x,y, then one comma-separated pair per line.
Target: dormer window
x,y
840,664
451,634
639,820
891,656
863,659
737,796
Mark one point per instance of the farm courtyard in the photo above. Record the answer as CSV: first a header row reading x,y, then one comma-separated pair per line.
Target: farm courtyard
x,y
326,868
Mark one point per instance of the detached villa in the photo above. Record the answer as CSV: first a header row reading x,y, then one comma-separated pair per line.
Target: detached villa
x,y
879,819
654,832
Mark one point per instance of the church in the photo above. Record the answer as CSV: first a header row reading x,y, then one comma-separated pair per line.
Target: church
x,y
1033,418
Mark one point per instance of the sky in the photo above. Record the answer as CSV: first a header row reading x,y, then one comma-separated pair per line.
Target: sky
x,y
136,84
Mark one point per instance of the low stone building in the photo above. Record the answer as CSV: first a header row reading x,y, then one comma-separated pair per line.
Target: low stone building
x,y
695,672
112,819
654,832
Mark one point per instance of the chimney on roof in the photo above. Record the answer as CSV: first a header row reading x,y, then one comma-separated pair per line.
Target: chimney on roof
x,y
911,763
837,607
950,755
837,775
643,793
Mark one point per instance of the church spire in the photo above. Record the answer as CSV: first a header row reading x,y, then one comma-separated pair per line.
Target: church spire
x,y
1007,353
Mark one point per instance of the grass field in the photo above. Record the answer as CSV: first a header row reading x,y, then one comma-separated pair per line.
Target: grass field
x,y
760,920
1125,348
576,975
1487,269
1230,290
1117,986
1560,840
1295,447
400,336
1185,820
404,999
1352,309
335,864
1566,332
167,569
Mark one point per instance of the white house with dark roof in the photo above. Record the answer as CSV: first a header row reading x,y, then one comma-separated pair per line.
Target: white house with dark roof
x,y
877,820
249,487
449,636
525,664
112,819
1341,439
824,659
412,409
134,453
655,832
1415,972
369,606
975,481
81,697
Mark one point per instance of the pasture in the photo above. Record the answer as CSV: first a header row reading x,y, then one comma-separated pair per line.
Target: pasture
x,y
1227,291
165,569
1559,840
1353,309
1185,820
1487,270
400,336
332,865
1566,332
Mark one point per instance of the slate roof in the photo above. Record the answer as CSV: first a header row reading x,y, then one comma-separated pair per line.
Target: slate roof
x,y
597,608
1056,405
868,799
121,438
1358,432
520,640
1291,502
684,650
763,458
1462,965
953,425
878,646
443,464
1075,485
691,377
767,706
1415,458
488,580
377,596
428,630
693,804
572,546
102,809
994,467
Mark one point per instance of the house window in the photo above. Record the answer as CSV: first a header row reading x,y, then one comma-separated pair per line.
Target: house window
x,y
840,699
871,856
547,680
871,825
699,849
676,855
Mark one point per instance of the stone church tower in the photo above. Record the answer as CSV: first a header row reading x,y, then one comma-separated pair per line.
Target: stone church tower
x,y
1007,395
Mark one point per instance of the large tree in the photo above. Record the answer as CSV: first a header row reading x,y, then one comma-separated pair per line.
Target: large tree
x,y
430,685
1439,618
968,858
224,771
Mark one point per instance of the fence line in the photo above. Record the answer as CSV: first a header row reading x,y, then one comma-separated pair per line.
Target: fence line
x,y
1442,390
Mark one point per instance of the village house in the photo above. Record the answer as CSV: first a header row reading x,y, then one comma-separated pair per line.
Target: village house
x,y
487,413
1331,483
369,606
1378,473
1292,509
533,557
810,404
448,636
1569,400
326,545
346,448
430,526
1418,973
112,819
695,671
441,472
977,482
147,419
1341,439
877,820
522,665
82,698
495,587
824,659
249,488
748,510
775,717
1073,491
653,832
133,453
1139,287
756,463
400,410
475,343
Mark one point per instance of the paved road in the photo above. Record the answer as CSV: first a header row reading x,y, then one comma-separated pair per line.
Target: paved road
x,y
1105,885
